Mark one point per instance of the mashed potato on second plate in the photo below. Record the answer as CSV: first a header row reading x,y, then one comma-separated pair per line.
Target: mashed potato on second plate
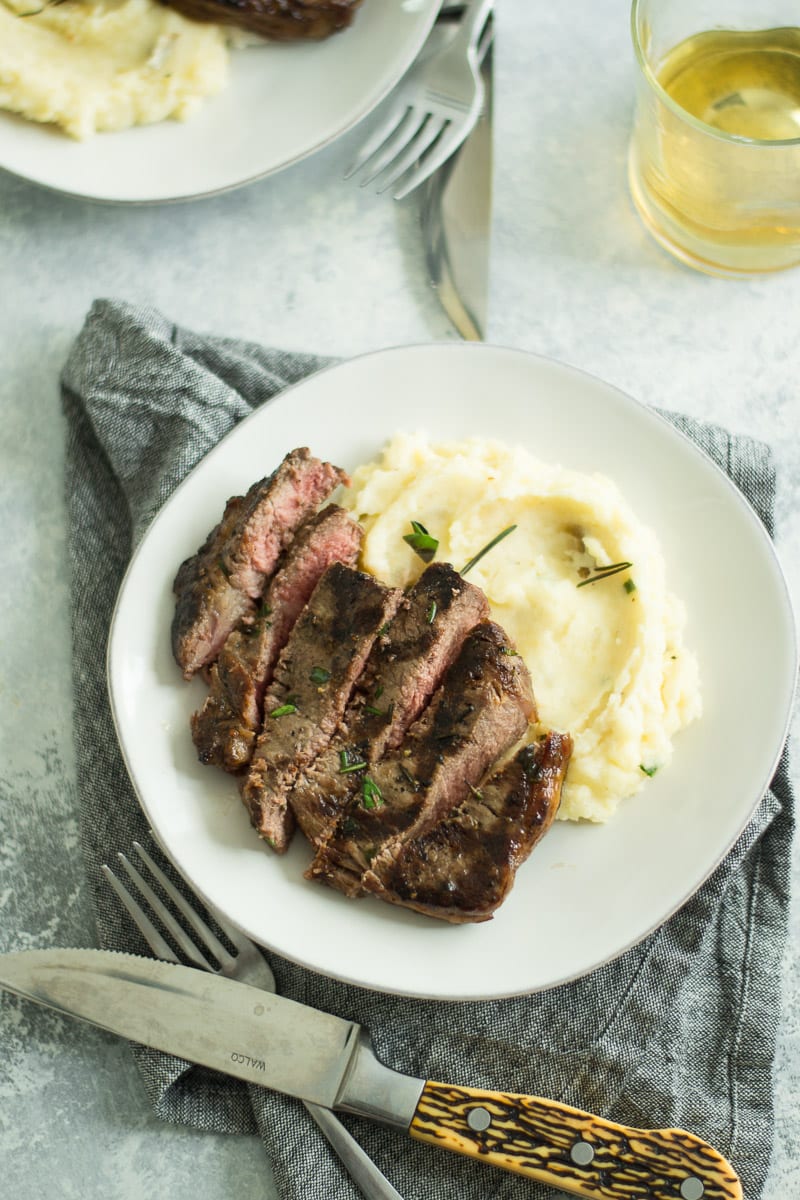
x,y
607,658
92,65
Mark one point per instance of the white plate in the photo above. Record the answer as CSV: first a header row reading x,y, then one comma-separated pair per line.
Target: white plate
x,y
587,892
282,103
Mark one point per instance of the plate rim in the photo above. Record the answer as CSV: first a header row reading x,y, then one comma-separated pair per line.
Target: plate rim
x,y
656,418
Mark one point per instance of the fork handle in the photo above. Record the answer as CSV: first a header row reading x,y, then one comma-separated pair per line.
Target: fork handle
x,y
360,1166
476,13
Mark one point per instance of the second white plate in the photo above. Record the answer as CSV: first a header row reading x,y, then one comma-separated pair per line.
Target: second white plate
x,y
588,892
283,102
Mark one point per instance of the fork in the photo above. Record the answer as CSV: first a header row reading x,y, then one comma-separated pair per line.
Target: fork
x,y
435,107
247,965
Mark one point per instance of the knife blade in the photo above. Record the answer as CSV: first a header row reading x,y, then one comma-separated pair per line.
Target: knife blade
x,y
328,1060
456,217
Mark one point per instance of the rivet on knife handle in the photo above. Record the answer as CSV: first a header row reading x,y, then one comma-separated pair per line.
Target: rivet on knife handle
x,y
570,1149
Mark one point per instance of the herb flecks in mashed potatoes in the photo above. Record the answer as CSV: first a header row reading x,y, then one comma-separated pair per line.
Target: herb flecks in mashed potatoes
x,y
608,661
101,65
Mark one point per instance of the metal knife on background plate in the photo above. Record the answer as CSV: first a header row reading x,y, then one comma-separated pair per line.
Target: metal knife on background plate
x,y
456,217
325,1059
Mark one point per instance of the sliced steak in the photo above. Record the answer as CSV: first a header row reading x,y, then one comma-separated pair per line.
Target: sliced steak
x,y
276,20
224,730
463,868
313,680
217,588
404,669
478,713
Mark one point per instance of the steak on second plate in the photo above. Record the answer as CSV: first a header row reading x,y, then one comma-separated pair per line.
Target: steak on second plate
x,y
275,20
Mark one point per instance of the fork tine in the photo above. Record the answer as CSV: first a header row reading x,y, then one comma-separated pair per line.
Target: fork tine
x,y
164,915
142,922
192,917
429,132
381,135
406,131
446,146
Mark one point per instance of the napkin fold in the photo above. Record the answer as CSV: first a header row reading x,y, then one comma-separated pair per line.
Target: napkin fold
x,y
678,1031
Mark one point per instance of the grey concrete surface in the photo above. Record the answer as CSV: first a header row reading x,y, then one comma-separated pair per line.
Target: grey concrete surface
x,y
305,260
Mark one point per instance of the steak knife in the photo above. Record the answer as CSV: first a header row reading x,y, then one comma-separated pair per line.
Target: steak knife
x,y
289,1047
456,217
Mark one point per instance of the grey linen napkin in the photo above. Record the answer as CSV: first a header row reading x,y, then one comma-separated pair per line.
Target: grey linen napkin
x,y
679,1031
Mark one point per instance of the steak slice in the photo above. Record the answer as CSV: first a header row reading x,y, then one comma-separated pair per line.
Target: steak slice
x,y
403,671
463,868
217,587
277,20
316,671
225,728
480,710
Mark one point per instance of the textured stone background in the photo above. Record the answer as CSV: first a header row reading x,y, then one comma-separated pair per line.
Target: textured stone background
x,y
307,261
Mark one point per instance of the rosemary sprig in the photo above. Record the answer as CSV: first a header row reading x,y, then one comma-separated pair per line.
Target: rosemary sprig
x,y
421,542
489,546
605,573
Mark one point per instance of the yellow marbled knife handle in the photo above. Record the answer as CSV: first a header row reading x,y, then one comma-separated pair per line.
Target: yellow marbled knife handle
x,y
572,1150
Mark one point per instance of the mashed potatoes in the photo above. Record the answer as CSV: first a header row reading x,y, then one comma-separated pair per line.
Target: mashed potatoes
x,y
607,658
90,65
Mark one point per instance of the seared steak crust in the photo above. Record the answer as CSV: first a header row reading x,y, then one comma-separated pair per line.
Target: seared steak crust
x,y
404,669
277,20
216,589
480,710
313,679
224,730
463,868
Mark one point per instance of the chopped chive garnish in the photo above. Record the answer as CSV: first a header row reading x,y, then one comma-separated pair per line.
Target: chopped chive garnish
x,y
319,675
384,629
489,546
371,794
476,792
605,573
511,653
421,542
431,613
373,711
379,691
629,586
409,778
648,770
264,610
283,710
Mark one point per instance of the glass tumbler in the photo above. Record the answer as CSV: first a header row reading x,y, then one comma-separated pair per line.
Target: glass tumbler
x,y
714,162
